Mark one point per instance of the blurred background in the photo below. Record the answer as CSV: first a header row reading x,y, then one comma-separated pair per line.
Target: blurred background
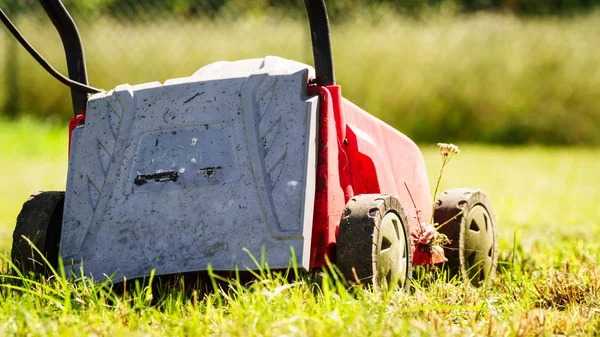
x,y
493,71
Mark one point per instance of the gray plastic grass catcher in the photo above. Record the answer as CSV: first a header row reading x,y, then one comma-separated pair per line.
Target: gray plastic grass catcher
x,y
176,176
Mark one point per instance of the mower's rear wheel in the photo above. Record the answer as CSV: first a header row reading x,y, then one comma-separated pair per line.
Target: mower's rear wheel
x,y
40,221
473,253
373,244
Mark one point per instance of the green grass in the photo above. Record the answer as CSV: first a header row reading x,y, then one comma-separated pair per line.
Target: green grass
x,y
546,201
482,77
33,158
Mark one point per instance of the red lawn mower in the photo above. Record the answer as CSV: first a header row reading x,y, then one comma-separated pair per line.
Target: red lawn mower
x,y
259,157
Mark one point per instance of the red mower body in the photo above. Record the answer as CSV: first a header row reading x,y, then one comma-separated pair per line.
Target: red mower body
x,y
360,154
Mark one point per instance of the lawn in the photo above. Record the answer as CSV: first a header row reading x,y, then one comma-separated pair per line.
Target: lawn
x,y
546,201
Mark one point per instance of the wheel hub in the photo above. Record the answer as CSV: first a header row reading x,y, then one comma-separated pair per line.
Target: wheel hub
x,y
392,251
478,244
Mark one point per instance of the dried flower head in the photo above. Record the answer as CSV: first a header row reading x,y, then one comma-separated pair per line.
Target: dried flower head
x,y
448,149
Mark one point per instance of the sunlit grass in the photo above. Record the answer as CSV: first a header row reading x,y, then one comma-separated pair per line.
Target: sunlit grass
x,y
548,283
33,157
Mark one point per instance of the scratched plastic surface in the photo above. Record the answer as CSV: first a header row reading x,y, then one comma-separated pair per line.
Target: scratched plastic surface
x,y
178,176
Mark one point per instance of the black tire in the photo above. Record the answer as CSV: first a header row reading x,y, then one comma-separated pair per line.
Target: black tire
x,y
473,252
373,239
40,221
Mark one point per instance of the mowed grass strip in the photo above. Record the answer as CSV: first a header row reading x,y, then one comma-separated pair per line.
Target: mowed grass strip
x,y
548,281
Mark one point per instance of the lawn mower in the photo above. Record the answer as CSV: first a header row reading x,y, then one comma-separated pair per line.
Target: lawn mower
x,y
253,159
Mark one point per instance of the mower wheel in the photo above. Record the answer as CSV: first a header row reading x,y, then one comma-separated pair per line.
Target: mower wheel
x,y
40,221
467,218
373,244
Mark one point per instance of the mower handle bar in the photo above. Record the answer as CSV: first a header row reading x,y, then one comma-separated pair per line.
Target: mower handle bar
x,y
69,35
321,41
71,40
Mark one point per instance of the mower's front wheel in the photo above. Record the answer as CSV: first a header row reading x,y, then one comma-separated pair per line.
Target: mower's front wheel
x,y
373,244
467,218
40,221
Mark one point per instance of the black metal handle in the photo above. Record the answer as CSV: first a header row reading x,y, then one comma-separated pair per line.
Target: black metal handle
x,y
321,41
71,41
